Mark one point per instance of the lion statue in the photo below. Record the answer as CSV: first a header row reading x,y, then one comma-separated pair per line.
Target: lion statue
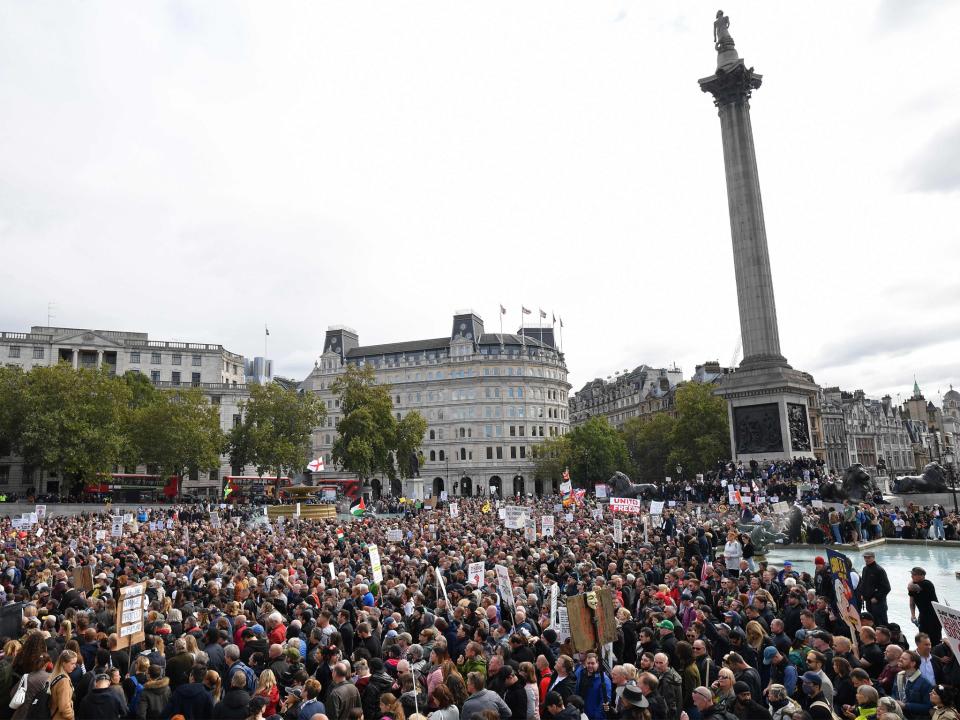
x,y
933,480
621,486
857,486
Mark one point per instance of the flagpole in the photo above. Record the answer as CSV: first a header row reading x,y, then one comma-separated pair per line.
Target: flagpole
x,y
523,338
266,334
540,324
501,326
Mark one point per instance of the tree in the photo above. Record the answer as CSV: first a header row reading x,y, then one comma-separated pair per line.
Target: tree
x,y
275,432
13,383
177,430
74,421
649,442
370,439
597,451
552,457
701,435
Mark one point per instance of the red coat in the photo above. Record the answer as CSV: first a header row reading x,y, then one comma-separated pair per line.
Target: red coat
x,y
278,636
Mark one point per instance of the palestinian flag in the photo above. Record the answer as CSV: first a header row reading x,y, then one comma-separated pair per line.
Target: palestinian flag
x,y
357,507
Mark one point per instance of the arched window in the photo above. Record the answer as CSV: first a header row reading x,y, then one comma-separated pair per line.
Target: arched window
x,y
433,455
463,453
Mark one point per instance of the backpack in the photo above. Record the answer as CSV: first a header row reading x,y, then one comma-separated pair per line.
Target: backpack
x,y
251,675
135,697
823,703
40,707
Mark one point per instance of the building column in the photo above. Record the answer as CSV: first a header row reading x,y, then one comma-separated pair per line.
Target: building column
x,y
99,359
75,358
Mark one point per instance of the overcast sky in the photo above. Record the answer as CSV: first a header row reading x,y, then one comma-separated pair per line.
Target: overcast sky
x,y
198,169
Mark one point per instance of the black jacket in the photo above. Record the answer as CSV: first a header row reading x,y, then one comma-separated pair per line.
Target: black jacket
x,y
233,706
153,699
370,697
516,699
193,701
874,584
101,704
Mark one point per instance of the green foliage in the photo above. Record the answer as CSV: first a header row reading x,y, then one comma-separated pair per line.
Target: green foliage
x,y
177,430
74,421
369,434
552,457
596,451
649,442
275,432
701,435
12,407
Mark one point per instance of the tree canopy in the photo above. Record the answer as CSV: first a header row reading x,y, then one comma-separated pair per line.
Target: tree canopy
x,y
370,438
275,430
596,451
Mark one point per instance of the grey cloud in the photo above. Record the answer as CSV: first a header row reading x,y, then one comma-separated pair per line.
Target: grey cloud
x,y
936,168
892,341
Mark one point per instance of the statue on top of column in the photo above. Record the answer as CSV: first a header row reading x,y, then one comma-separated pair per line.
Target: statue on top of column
x,y
723,43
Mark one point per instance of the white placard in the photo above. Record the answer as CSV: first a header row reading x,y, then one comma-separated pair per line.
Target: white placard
x,y
214,520
297,512
627,505
546,525
41,512
531,529
596,514
131,629
671,503
33,518
656,507
618,531
504,585
566,487
116,529
102,534
475,573
502,513
515,517
781,508
333,575
394,535
454,510
950,620
558,508
131,603
40,532
563,631
568,517
375,563
817,503
127,518
153,526
443,495
601,490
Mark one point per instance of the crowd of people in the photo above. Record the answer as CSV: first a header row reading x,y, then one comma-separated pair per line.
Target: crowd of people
x,y
252,619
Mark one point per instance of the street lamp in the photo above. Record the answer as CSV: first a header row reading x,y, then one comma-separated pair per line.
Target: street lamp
x,y
948,458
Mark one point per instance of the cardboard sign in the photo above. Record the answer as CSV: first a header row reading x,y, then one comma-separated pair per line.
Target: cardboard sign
x,y
618,531
627,505
375,567
656,507
601,490
41,512
454,510
131,602
591,628
950,620
394,535
83,578
475,574
546,525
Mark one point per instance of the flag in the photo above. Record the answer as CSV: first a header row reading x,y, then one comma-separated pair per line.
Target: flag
x,y
266,330
579,494
486,507
703,571
339,533
503,310
543,315
357,507
316,465
561,322
566,474
226,491
554,318
525,311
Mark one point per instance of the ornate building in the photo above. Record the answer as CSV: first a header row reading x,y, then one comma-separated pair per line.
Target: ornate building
x,y
834,429
641,392
876,435
168,364
488,399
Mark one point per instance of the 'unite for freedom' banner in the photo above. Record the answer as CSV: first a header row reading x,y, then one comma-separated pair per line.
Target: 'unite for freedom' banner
x,y
627,505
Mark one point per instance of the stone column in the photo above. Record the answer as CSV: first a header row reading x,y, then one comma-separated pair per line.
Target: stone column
x,y
99,359
75,358
731,88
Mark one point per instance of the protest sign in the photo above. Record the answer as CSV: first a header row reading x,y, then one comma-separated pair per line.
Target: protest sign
x,y
102,534
116,528
601,490
515,517
41,512
840,569
950,620
656,507
568,517
618,531
627,505
375,563
504,585
546,525
395,535
531,529
214,520
130,605
596,514
475,574
454,510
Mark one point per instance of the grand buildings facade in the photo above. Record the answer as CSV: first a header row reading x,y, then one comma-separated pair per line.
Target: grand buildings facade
x,y
641,392
488,399
168,364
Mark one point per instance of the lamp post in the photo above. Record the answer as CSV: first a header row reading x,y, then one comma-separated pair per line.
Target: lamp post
x,y
948,458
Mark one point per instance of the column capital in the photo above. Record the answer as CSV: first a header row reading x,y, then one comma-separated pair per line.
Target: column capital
x,y
732,84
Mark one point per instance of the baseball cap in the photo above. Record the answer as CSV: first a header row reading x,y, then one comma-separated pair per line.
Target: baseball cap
x,y
812,677
818,560
666,624
787,563
769,654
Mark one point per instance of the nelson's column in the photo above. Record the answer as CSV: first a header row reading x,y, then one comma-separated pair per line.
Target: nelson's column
x,y
767,400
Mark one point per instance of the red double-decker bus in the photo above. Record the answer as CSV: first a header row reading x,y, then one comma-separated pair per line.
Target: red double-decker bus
x,y
135,487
